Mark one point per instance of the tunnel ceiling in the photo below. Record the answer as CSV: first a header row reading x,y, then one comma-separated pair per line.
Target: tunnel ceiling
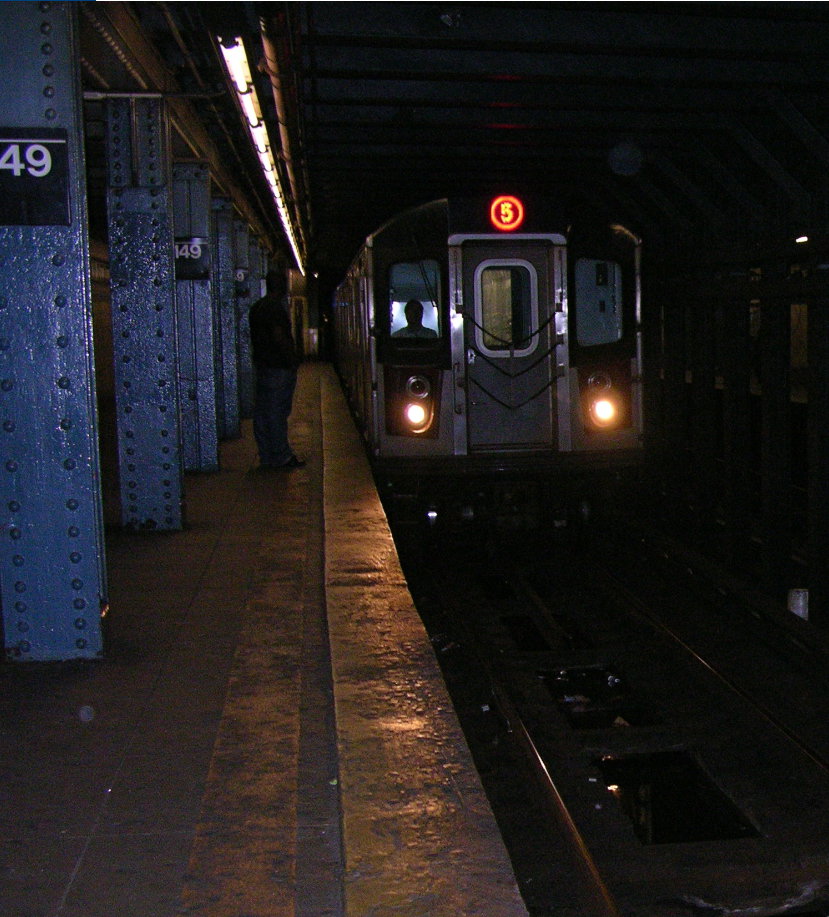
x,y
705,120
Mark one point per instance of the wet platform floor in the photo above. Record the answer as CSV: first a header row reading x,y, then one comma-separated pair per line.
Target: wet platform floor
x,y
268,734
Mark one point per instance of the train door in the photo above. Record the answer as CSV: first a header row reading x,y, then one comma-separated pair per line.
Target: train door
x,y
509,338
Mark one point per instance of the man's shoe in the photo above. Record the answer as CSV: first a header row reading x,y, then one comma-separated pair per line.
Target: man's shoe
x,y
293,462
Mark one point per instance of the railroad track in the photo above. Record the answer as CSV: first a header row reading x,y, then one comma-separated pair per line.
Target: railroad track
x,y
612,694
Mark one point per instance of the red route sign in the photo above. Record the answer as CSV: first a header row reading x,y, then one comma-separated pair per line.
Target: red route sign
x,y
506,213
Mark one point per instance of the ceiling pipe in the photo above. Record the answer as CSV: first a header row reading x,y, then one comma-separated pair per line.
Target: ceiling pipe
x,y
270,66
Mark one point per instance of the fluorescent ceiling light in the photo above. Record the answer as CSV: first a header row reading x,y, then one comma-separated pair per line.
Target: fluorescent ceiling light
x,y
237,66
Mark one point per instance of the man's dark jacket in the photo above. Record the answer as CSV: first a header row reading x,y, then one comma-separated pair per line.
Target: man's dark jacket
x,y
271,338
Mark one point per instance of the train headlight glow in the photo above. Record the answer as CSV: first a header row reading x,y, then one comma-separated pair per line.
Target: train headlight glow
x,y
604,412
416,414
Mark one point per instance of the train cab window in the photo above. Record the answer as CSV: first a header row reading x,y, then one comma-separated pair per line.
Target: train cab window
x,y
598,302
506,306
414,300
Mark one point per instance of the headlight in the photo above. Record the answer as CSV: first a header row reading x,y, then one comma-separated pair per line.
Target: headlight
x,y
604,412
417,409
415,414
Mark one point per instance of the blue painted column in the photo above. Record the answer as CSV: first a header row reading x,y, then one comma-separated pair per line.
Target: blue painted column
x,y
258,259
226,279
194,313
52,564
143,314
247,296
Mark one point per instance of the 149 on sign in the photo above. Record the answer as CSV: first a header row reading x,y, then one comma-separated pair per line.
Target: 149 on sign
x,y
192,258
188,250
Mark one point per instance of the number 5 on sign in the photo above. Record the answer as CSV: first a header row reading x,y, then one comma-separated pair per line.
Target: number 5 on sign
x,y
506,213
31,158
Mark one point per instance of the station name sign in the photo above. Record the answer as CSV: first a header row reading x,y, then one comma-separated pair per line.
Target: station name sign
x,y
192,258
34,177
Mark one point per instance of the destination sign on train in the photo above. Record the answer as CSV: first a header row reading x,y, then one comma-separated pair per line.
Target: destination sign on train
x,y
506,213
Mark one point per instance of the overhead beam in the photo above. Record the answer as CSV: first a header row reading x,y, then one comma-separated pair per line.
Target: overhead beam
x,y
121,31
693,192
730,183
485,76
805,131
765,159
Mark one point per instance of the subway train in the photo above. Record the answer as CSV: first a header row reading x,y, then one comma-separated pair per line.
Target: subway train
x,y
491,354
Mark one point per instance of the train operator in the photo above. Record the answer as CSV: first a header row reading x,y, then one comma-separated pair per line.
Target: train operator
x,y
414,327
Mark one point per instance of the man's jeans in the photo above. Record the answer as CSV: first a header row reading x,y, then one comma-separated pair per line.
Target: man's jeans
x,y
274,397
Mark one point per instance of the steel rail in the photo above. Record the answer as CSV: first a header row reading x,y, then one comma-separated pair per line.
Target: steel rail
x,y
602,900
597,894
640,610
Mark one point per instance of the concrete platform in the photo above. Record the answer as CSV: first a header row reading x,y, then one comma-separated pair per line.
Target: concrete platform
x,y
269,734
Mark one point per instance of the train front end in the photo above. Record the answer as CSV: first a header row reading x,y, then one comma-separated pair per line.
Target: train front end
x,y
505,350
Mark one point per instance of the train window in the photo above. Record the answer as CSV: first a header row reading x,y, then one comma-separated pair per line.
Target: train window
x,y
414,299
598,302
506,304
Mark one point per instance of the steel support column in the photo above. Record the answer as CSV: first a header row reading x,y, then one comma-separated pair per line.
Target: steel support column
x,y
143,314
247,297
227,278
653,360
258,267
52,564
818,445
258,260
738,470
674,387
775,475
704,416
194,312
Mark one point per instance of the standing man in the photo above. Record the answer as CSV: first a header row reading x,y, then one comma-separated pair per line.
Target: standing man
x,y
275,361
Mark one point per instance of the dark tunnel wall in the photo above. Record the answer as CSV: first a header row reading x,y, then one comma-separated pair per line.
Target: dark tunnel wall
x,y
736,385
